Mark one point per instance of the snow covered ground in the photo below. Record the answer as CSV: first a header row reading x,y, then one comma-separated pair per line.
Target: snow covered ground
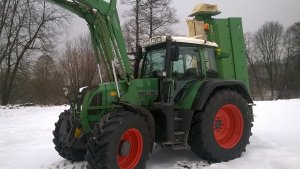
x,y
26,141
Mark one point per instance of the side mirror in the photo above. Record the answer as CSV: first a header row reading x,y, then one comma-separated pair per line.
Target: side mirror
x,y
138,57
174,51
139,52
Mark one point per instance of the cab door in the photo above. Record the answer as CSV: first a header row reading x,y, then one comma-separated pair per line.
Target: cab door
x,y
186,70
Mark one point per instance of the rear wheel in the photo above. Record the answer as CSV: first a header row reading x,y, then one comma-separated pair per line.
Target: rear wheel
x,y
228,126
221,132
121,140
61,132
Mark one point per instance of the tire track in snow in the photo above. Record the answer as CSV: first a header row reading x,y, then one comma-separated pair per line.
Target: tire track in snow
x,y
66,165
190,164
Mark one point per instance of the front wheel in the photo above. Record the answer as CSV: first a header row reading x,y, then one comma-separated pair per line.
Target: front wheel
x,y
61,132
121,140
221,132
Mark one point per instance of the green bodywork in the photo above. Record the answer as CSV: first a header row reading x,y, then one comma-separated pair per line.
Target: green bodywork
x,y
186,101
228,34
110,50
140,92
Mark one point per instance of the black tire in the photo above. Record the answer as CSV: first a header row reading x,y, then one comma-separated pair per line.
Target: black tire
x,y
104,147
61,147
204,129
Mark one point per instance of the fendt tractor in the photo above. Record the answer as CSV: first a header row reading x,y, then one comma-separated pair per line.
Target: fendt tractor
x,y
182,92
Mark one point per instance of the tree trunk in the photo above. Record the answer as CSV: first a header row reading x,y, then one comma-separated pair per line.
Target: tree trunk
x,y
137,33
151,19
4,99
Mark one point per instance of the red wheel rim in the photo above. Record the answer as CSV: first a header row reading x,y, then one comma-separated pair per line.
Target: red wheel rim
x,y
228,126
133,138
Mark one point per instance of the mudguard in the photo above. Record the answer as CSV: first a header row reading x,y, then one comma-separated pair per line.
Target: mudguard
x,y
210,86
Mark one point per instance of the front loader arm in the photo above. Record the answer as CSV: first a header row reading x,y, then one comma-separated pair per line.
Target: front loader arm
x,y
106,34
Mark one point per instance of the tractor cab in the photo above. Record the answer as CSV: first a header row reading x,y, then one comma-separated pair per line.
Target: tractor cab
x,y
178,60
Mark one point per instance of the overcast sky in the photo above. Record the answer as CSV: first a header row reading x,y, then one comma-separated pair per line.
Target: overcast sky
x,y
254,13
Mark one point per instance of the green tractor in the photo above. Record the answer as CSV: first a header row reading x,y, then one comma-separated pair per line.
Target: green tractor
x,y
182,92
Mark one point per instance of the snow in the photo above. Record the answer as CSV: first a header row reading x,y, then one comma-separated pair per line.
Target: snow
x,y
26,141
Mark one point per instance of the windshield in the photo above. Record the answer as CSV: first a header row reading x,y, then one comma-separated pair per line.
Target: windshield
x,y
154,61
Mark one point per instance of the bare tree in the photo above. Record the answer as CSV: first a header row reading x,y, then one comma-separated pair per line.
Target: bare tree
x,y
252,64
134,15
158,17
26,28
294,32
78,64
268,46
151,18
46,85
129,32
289,84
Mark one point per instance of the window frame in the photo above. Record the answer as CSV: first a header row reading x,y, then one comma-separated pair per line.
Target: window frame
x,y
199,60
204,59
156,47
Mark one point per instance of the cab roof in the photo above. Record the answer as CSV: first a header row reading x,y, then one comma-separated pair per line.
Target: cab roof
x,y
190,40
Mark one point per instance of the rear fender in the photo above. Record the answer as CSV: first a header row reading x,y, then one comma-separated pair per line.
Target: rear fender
x,y
210,86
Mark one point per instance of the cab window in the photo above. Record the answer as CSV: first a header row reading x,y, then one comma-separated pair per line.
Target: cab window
x,y
187,66
154,61
210,60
